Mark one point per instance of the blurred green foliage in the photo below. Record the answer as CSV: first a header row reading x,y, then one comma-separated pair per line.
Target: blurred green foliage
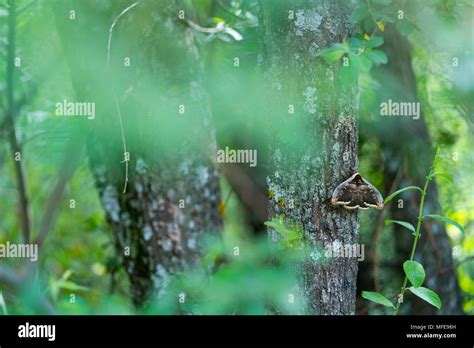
x,y
78,256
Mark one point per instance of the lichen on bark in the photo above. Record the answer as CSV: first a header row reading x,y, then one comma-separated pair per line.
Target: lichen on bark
x,y
172,195
315,148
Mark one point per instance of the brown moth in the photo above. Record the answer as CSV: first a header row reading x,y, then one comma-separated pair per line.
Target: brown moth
x,y
356,192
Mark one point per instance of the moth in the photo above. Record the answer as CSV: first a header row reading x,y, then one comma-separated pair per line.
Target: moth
x,y
356,192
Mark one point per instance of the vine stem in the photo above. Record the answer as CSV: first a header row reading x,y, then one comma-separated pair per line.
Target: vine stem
x,y
373,18
116,101
417,236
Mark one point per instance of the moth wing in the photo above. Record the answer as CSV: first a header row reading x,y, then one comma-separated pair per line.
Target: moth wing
x,y
372,197
342,194
345,195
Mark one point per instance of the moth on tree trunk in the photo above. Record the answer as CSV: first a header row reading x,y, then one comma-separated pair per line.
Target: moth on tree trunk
x,y
357,193
314,147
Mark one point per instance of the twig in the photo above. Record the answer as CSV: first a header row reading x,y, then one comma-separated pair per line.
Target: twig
x,y
219,28
71,161
117,106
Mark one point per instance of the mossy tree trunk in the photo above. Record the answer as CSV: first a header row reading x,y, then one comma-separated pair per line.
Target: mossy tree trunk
x,y
313,126
152,86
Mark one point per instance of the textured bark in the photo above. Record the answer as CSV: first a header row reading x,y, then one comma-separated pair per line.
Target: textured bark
x,y
162,236
314,149
409,142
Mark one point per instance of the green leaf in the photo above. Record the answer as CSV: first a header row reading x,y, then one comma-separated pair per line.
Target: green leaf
x,y
428,295
356,43
415,272
360,62
68,285
360,13
333,53
444,175
66,275
439,158
377,298
385,17
445,220
279,227
401,223
374,42
376,56
389,198
291,237
368,24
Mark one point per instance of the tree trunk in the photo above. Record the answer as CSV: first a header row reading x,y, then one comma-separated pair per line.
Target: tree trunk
x,y
315,148
172,194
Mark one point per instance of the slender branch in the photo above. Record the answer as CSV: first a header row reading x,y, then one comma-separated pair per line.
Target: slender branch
x,y
10,125
117,106
70,163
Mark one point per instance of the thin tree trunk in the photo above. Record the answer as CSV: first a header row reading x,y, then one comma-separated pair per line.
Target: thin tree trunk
x,y
23,197
172,194
314,149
